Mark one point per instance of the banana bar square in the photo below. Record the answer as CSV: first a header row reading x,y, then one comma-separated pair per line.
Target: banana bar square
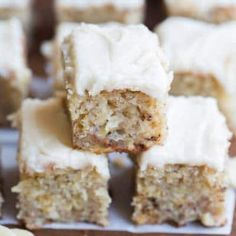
x,y
184,180
57,182
203,59
117,83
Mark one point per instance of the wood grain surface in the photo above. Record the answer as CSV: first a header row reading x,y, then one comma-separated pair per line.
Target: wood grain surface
x,y
44,22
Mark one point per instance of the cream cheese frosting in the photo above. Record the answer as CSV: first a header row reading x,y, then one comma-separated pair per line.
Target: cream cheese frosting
x,y
200,47
114,56
12,50
122,4
46,140
63,30
197,135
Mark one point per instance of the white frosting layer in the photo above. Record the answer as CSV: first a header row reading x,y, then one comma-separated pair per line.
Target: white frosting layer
x,y
122,4
202,48
113,56
12,50
46,140
14,3
198,135
63,30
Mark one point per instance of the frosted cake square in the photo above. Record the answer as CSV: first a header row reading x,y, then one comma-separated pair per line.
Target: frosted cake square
x,y
100,11
203,58
57,182
184,180
20,9
117,82
215,11
14,73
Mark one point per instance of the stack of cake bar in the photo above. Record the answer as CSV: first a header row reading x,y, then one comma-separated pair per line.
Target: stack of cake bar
x,y
116,82
112,106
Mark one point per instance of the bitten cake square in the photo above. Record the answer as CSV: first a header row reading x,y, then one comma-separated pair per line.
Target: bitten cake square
x,y
184,180
14,73
203,58
57,182
215,11
94,11
117,83
20,9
